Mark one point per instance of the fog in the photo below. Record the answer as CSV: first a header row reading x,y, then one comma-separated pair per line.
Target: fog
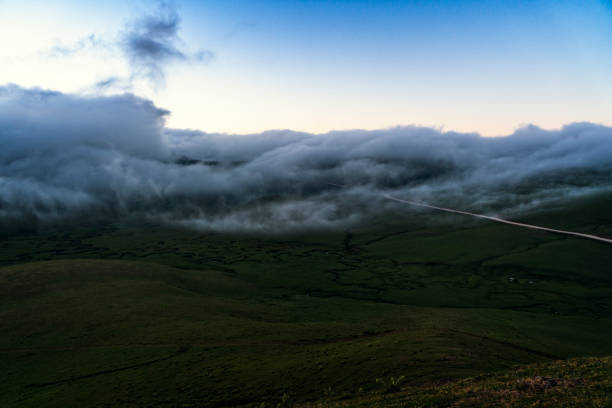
x,y
65,158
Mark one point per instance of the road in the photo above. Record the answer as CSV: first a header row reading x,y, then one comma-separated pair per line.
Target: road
x,y
496,219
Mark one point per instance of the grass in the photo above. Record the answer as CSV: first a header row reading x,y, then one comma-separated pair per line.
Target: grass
x,y
577,382
148,315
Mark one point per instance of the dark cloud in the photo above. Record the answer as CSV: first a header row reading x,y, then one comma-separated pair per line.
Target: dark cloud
x,y
152,42
113,82
149,44
65,157
88,42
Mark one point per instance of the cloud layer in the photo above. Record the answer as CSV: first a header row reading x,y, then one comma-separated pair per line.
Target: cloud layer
x,y
67,157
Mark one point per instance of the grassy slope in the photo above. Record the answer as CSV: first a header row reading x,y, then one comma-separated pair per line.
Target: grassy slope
x,y
577,382
173,317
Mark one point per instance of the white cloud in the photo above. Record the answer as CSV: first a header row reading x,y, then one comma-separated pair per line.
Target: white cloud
x,y
66,156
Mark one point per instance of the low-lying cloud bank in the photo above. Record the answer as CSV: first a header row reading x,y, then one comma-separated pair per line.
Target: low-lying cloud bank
x,y
66,157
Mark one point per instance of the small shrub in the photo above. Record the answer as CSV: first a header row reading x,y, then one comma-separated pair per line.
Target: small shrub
x,y
393,384
285,401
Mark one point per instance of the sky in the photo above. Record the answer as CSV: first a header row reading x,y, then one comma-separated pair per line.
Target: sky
x,y
233,66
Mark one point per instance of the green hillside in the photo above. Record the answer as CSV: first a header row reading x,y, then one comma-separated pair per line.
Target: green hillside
x,y
576,382
124,315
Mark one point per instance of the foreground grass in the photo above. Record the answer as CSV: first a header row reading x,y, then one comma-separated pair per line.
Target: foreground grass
x,y
577,382
117,333
126,316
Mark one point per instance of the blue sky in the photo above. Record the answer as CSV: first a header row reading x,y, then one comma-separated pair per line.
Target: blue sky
x,y
488,66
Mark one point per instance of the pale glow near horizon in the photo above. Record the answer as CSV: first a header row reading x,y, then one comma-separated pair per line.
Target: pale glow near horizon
x,y
316,78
